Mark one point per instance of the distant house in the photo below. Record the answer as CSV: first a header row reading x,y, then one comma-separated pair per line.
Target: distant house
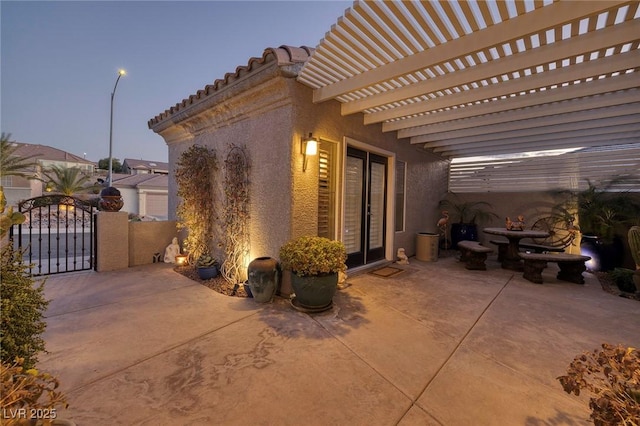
x,y
18,188
137,167
144,194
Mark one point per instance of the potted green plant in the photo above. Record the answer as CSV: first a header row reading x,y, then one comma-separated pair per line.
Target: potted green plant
x,y
314,263
465,216
604,217
207,266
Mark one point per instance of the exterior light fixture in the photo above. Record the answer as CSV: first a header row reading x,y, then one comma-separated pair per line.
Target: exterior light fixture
x,y
309,147
181,259
121,72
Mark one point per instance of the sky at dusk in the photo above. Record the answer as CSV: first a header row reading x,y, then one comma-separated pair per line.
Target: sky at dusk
x,y
60,60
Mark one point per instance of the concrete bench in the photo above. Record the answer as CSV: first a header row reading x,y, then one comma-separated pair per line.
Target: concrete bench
x,y
571,266
537,248
473,254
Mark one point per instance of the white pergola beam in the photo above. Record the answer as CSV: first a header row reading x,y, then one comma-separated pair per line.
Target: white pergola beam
x,y
616,100
595,87
559,123
581,45
536,144
538,20
603,66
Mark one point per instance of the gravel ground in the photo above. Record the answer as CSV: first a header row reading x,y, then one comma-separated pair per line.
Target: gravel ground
x,y
218,283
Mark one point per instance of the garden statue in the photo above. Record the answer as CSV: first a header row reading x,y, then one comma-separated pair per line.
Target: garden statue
x,y
172,251
442,225
515,225
402,257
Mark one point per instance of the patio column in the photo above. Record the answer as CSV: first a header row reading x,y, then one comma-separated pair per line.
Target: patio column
x,y
112,241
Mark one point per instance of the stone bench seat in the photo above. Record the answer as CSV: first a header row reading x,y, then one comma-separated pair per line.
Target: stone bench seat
x,y
473,254
571,266
538,248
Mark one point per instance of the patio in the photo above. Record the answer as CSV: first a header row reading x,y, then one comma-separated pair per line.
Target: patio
x,y
436,344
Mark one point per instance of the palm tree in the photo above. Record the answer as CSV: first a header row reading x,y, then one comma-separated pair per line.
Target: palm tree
x,y
11,165
66,180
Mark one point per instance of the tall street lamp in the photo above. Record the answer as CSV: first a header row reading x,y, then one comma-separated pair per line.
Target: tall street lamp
x,y
110,175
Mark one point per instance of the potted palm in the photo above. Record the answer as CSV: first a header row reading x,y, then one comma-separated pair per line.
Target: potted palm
x,y
207,266
465,216
604,217
314,263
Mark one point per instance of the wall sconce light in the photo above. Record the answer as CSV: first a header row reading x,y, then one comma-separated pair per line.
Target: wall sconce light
x,y
309,148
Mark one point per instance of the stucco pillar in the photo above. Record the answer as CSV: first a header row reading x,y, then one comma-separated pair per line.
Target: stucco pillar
x,y
112,236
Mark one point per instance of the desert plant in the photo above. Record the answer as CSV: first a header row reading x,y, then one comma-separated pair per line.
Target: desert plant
x,y
66,180
467,211
236,215
110,191
21,313
30,390
612,376
603,212
313,256
196,210
623,278
11,165
206,261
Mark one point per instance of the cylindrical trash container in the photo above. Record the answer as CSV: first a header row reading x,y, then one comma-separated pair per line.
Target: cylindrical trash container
x,y
427,246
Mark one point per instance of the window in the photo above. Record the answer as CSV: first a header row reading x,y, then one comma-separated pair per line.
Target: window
x,y
401,176
326,190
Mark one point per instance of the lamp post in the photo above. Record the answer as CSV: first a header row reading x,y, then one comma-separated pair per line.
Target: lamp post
x,y
110,175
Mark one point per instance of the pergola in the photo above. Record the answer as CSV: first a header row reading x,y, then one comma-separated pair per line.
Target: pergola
x,y
471,79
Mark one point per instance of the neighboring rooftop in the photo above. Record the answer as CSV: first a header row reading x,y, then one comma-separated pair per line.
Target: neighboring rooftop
x,y
44,152
141,180
148,166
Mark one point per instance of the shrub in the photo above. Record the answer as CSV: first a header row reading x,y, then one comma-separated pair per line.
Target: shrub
x,y
195,176
612,376
22,308
24,389
313,256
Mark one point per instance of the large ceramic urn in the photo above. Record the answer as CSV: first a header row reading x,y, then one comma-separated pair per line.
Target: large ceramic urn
x,y
263,278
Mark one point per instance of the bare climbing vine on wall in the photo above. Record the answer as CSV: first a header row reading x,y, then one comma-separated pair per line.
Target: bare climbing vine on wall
x,y
236,215
195,175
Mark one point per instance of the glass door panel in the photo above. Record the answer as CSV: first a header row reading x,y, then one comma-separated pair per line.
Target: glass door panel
x,y
353,209
365,207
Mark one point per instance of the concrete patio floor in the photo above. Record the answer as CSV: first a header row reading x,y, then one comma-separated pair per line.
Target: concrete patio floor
x,y
434,345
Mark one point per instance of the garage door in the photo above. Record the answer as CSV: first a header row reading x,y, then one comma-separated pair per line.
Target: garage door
x,y
157,205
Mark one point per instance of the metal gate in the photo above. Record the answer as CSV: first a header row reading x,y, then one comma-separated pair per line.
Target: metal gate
x,y
57,235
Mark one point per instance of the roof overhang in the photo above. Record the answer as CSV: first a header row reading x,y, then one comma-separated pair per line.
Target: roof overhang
x,y
471,78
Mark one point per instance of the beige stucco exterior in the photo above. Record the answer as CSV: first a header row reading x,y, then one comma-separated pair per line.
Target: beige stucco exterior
x,y
269,112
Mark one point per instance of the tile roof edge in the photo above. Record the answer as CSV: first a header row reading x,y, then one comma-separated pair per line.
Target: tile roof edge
x,y
283,56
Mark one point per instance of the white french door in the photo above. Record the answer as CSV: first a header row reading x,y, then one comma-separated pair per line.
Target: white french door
x,y
365,207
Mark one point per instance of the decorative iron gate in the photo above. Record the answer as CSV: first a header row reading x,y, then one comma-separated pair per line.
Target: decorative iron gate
x,y
57,235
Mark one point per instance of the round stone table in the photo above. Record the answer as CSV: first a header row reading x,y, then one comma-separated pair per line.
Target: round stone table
x,y
512,258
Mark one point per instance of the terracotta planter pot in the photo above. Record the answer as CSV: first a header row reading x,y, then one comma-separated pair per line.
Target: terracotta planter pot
x,y
110,203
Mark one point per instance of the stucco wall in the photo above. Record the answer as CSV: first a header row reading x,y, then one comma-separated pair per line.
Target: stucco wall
x,y
148,238
426,173
270,113
256,117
